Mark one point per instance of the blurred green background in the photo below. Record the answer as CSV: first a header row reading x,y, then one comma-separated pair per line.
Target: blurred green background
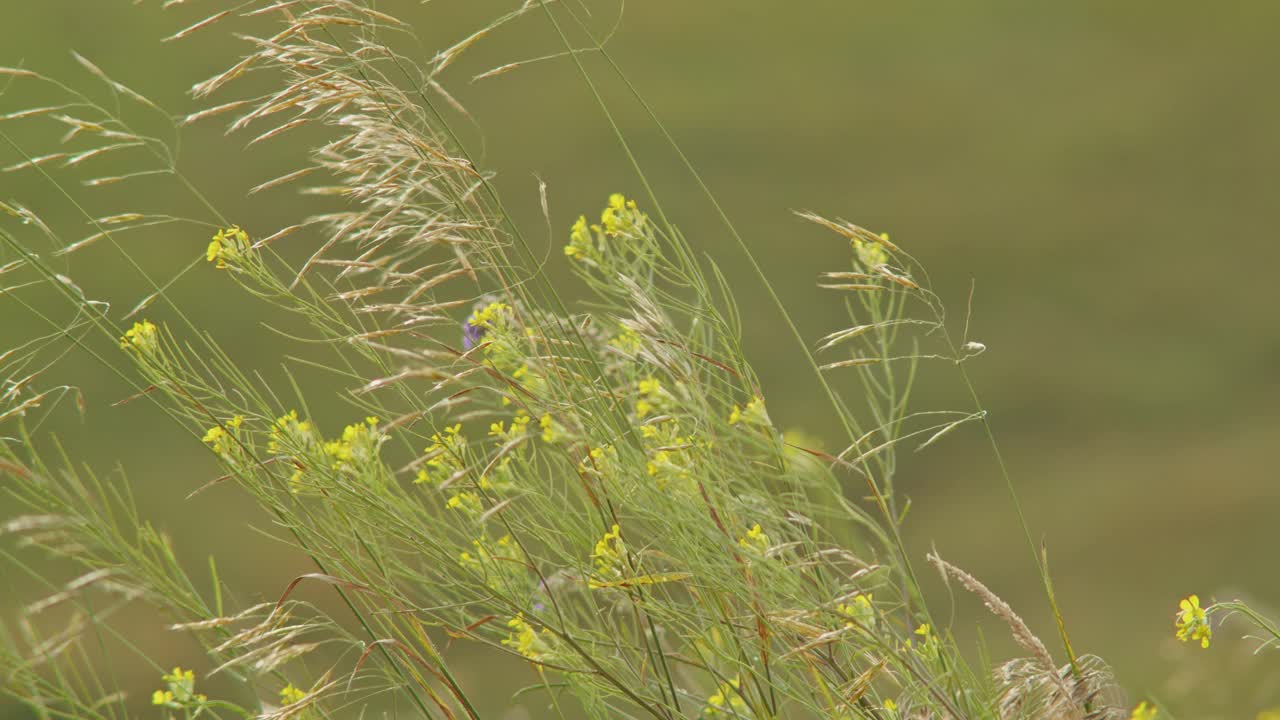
x,y
1106,173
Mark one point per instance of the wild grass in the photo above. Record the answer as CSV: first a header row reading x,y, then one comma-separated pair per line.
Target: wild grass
x,y
595,488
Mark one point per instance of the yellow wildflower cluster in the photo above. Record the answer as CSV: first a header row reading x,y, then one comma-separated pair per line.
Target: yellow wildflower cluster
x,y
1144,711
753,414
358,444
599,462
484,556
755,541
1192,622
223,439
290,694
871,255
228,246
288,433
650,397
294,438
142,337
609,555
627,340
552,431
527,641
727,701
467,501
491,317
445,456
580,246
498,475
506,348
180,691
621,218
669,458
930,647
858,611
524,379
518,429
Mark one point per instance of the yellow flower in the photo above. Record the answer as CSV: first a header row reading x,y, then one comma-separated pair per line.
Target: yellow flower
x,y
1145,711
180,676
859,611
650,396
621,217
552,431
519,427
290,694
142,337
214,437
220,440
292,437
628,341
727,700
599,461
890,705
490,316
670,456
526,640
755,540
296,486
580,246
753,414
608,554
359,443
870,254
181,690
929,647
1192,622
289,433
228,246
661,459
466,501
444,456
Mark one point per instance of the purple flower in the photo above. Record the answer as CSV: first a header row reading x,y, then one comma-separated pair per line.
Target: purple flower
x,y
472,334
